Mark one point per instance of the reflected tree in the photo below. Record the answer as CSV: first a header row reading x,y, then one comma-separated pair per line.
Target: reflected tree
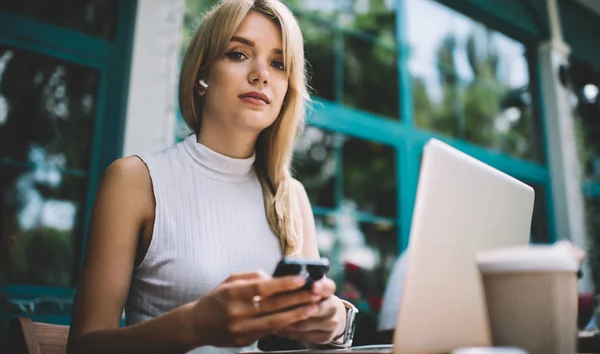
x,y
45,129
485,110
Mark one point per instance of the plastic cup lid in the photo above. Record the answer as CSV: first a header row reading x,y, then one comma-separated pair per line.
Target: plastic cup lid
x,y
558,257
486,350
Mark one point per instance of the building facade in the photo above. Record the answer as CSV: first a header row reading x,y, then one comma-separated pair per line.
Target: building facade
x,y
82,85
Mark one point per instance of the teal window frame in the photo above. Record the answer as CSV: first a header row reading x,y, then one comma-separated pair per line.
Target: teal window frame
x,y
112,60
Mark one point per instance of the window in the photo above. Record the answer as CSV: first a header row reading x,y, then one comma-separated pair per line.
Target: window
x,y
320,39
470,82
94,17
585,101
370,75
369,177
47,112
584,83
351,51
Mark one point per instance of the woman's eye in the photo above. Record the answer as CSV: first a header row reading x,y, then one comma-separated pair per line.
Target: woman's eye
x,y
278,65
236,55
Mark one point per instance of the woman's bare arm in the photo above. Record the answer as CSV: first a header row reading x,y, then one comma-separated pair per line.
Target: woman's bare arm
x,y
125,202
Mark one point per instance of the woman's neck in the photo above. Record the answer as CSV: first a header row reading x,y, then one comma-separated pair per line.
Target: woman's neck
x,y
234,144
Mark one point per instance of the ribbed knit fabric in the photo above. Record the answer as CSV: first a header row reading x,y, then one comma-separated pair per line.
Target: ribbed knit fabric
x,y
209,222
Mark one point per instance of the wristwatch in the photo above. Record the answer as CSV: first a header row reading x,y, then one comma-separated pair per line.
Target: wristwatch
x,y
345,339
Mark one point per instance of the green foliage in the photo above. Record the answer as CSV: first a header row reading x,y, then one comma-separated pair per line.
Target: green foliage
x,y
472,109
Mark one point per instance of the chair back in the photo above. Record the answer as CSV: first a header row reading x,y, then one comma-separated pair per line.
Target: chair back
x,y
28,337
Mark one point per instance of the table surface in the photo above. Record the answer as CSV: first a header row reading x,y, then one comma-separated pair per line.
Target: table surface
x,y
370,349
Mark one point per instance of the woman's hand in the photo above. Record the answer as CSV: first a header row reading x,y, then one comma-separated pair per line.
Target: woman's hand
x,y
327,324
249,306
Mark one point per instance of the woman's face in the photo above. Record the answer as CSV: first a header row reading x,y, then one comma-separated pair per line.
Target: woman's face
x,y
248,83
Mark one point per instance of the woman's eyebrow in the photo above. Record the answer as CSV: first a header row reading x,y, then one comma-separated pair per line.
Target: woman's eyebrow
x,y
250,43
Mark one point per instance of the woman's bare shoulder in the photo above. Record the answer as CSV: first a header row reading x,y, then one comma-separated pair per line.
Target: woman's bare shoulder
x,y
128,178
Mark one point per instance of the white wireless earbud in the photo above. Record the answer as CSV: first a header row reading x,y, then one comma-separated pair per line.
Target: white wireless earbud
x,y
203,84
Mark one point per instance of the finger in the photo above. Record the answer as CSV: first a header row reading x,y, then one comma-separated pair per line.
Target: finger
x,y
269,287
282,302
274,322
254,275
324,287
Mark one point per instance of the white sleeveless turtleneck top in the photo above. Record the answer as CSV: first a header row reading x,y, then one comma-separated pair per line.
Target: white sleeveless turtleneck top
x,y
209,222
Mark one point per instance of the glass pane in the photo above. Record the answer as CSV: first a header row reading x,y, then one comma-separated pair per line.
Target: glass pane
x,y
47,109
315,165
436,97
319,46
471,82
540,232
361,254
497,102
369,171
370,76
585,102
375,17
95,17
40,214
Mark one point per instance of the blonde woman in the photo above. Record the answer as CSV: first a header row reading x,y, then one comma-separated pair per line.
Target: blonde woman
x,y
178,238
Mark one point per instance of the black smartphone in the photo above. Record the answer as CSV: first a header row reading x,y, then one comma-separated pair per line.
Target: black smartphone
x,y
311,269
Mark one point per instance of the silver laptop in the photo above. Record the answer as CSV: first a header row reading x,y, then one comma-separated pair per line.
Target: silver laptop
x,y
462,206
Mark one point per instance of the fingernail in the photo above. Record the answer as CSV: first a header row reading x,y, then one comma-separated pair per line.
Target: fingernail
x,y
312,310
317,287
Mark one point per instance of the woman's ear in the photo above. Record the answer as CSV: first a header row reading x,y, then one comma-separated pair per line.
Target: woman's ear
x,y
201,87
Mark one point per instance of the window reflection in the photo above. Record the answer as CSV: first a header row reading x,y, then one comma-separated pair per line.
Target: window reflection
x,y
367,177
369,171
319,51
95,17
585,102
355,40
47,113
471,82
57,116
362,255
370,76
39,217
368,16
315,165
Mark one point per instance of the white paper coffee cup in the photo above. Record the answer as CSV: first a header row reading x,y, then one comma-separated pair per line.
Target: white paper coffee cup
x,y
531,295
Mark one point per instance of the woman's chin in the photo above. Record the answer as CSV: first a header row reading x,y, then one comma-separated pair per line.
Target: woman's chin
x,y
255,121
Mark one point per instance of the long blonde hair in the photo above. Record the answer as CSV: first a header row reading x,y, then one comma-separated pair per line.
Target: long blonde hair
x,y
275,144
